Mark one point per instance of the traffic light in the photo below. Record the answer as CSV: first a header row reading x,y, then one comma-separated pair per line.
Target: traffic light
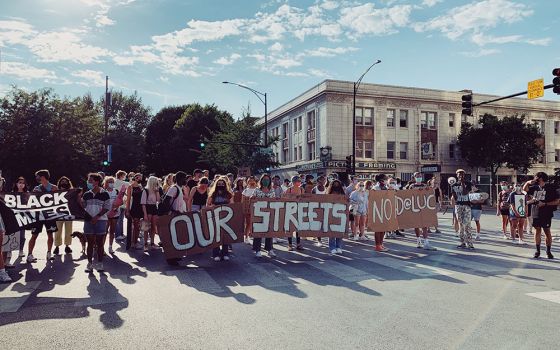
x,y
202,145
105,163
467,104
556,81
349,166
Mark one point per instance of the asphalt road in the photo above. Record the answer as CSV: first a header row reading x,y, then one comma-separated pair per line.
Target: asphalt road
x,y
495,297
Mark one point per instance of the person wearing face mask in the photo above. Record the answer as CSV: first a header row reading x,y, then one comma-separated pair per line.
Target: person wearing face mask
x,y
20,187
264,190
320,189
63,184
517,213
382,184
246,195
42,177
461,201
134,208
277,186
151,196
433,184
359,200
544,201
421,237
219,194
335,243
351,217
295,189
476,211
97,203
394,184
115,200
121,186
503,205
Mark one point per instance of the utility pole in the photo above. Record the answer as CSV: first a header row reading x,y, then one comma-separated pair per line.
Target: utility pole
x,y
106,111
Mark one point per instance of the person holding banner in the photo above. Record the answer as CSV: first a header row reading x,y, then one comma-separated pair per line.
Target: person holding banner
x,y
4,277
238,187
417,183
264,191
503,207
199,195
381,180
97,203
220,194
173,198
63,183
320,189
517,213
360,202
294,189
246,195
20,187
42,177
460,200
335,243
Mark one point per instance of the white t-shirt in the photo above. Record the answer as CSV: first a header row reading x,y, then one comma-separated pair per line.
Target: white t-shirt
x,y
249,192
179,203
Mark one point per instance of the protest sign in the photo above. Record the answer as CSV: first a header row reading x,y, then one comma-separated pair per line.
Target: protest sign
x,y
382,212
23,210
197,232
416,208
310,215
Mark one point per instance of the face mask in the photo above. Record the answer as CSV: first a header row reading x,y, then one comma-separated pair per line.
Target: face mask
x,y
504,188
21,186
518,188
265,182
90,186
220,187
418,179
111,185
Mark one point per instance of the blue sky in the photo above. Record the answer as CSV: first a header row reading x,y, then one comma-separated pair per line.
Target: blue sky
x,y
179,51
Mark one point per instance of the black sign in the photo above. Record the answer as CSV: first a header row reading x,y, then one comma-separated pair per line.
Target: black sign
x,y
341,164
310,166
431,168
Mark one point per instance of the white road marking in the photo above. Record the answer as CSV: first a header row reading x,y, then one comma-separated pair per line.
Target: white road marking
x,y
552,296
13,296
418,269
198,279
344,272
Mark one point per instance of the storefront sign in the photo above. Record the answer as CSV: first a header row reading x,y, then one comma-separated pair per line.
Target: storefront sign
x,y
431,168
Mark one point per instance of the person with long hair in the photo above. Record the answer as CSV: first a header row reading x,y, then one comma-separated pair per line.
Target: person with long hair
x,y
294,190
517,213
198,195
115,199
359,202
134,207
382,184
502,208
422,239
63,184
20,187
335,243
264,190
238,187
168,182
151,196
219,194
246,195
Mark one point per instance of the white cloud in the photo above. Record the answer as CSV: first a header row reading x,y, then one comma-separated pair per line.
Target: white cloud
x,y
319,73
65,46
277,47
481,40
329,52
14,32
329,5
101,17
366,19
226,61
90,77
431,3
480,53
475,17
26,72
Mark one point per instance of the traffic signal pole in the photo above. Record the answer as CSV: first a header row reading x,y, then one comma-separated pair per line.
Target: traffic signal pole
x,y
550,86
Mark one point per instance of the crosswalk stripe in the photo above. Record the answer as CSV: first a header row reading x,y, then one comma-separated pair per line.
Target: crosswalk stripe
x,y
467,264
414,268
342,271
271,276
552,296
12,297
198,279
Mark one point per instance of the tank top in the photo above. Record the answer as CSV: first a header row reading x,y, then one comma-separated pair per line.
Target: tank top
x,y
200,198
136,197
219,200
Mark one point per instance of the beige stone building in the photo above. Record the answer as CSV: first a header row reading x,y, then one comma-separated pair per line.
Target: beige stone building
x,y
399,130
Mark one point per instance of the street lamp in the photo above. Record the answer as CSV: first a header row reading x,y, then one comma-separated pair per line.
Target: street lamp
x,y
260,96
356,86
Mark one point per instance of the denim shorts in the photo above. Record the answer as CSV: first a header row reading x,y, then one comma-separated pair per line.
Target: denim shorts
x,y
97,229
475,214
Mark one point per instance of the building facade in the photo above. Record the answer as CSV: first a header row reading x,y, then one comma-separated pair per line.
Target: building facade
x,y
399,130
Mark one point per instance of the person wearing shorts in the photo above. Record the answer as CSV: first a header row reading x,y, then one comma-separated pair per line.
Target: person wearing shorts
x,y
476,211
42,177
97,203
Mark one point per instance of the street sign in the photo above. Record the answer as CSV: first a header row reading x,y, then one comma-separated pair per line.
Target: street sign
x,y
535,89
244,172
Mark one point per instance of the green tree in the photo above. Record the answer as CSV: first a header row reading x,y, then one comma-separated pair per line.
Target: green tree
x,y
39,129
507,142
128,120
228,158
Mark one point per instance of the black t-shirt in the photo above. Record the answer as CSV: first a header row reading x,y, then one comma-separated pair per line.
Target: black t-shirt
x,y
545,194
192,183
460,192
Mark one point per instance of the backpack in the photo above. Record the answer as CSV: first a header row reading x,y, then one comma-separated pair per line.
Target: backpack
x,y
166,204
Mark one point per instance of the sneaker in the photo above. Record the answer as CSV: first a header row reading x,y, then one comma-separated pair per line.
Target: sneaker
x,y
333,251
300,247
31,258
111,251
49,256
99,267
549,255
471,247
462,246
477,238
521,242
419,244
339,250
290,248
514,241
68,250
537,255
146,249
271,253
89,267
381,248
21,254
506,236
364,238
429,247
438,231
258,254
318,244
4,277
216,258
356,237
226,258
56,251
